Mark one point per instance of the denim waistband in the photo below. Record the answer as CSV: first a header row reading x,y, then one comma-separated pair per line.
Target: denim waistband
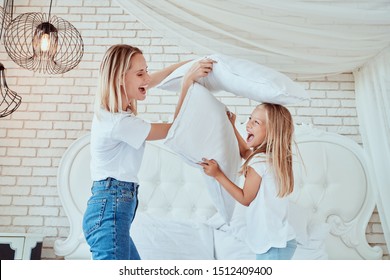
x,y
112,182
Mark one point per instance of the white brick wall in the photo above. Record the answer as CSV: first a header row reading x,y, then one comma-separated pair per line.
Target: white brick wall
x,y
58,109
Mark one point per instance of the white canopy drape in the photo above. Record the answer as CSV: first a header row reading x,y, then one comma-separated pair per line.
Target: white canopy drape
x,y
309,38
372,83
305,38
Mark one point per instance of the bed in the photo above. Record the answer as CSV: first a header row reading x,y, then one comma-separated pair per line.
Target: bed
x,y
177,219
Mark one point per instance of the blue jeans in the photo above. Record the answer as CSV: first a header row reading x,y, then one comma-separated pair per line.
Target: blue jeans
x,y
107,220
285,253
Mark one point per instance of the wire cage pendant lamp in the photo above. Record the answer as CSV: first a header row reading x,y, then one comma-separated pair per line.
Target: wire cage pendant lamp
x,y
9,100
43,43
6,14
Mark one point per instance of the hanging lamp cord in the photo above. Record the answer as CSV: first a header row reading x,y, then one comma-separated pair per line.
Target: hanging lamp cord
x,y
48,19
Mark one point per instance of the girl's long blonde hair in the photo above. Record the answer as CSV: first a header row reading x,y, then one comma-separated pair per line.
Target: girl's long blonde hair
x,y
115,63
277,146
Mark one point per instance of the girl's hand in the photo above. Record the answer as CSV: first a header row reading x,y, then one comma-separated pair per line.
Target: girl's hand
x,y
231,117
210,167
199,69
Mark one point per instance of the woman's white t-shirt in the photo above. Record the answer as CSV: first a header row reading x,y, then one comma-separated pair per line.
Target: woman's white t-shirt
x,y
117,145
266,216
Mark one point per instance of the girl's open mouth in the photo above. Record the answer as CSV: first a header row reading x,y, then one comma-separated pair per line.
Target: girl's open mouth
x,y
250,137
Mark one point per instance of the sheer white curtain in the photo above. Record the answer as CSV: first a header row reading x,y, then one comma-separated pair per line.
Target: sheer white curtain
x,y
304,38
308,38
372,82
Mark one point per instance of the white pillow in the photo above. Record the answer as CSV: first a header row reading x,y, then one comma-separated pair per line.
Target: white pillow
x,y
243,78
203,130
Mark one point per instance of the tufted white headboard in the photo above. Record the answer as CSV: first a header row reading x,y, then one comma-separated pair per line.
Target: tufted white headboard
x,y
333,183
177,218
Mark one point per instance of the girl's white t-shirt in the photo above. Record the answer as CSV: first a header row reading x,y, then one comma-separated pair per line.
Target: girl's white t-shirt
x,y
117,145
266,216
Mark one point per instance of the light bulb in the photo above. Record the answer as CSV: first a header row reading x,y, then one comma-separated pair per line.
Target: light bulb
x,y
45,42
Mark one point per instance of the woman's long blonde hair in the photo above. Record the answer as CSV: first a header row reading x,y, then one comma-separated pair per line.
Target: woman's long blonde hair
x,y
277,146
115,63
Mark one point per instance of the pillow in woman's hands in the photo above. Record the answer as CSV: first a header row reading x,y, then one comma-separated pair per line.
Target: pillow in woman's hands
x,y
243,78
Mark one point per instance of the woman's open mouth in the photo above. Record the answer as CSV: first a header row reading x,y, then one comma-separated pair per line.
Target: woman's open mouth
x,y
142,90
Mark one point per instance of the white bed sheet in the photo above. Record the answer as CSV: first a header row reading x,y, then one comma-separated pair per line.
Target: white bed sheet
x,y
159,238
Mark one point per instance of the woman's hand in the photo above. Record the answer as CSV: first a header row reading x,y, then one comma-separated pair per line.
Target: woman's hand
x,y
199,69
210,167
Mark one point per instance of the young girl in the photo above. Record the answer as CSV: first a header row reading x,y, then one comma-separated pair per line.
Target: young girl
x,y
117,146
268,181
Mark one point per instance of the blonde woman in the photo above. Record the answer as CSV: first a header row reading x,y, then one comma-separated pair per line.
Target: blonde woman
x,y
118,138
268,181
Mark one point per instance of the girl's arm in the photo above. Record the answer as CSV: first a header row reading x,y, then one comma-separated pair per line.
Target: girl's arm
x,y
245,151
200,69
247,194
157,77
